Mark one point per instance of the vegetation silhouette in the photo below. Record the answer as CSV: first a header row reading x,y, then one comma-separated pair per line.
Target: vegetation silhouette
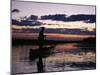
x,y
88,45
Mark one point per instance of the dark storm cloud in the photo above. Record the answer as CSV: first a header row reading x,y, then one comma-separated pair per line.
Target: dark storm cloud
x,y
32,20
25,23
58,17
81,17
33,17
15,10
63,17
15,22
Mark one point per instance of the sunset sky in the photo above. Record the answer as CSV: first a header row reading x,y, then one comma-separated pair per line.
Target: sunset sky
x,y
25,9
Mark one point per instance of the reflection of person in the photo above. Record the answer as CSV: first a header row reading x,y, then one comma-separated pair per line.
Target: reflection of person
x,y
40,65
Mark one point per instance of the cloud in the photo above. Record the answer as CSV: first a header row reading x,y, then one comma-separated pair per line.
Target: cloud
x,y
15,11
82,17
58,17
26,23
32,17
53,30
62,17
60,20
15,22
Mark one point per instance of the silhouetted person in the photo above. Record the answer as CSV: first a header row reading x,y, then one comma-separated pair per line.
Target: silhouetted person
x,y
41,40
41,37
41,52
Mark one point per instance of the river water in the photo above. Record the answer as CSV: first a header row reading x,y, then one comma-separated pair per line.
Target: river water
x,y
63,57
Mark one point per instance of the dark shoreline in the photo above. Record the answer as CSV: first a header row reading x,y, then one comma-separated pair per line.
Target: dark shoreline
x,y
87,41
35,42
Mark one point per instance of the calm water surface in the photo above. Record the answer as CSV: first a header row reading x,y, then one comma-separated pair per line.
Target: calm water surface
x,y
59,58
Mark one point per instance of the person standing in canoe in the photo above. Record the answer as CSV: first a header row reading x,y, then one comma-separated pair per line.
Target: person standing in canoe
x,y
41,37
41,40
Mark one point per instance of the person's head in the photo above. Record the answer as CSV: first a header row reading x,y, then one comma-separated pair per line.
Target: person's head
x,y
42,28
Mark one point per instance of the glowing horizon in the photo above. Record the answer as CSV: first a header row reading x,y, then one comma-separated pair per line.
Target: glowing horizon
x,y
60,24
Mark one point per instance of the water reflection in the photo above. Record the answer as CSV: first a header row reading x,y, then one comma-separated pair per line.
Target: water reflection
x,y
62,57
39,54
